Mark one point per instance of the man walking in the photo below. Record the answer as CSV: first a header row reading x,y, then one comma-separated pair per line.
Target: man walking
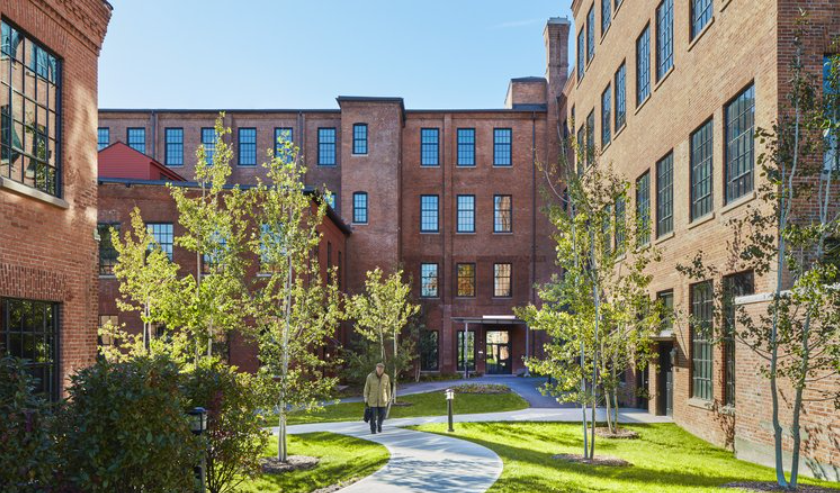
x,y
377,394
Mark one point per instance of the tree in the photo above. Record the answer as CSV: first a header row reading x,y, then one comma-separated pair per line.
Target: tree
x,y
597,311
295,308
215,224
381,313
787,236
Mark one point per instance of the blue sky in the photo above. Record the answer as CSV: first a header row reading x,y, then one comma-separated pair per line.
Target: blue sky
x,y
302,54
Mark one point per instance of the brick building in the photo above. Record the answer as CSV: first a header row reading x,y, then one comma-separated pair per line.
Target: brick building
x,y
129,179
453,196
670,92
49,51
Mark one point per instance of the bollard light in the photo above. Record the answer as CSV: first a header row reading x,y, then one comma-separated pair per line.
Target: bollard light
x,y
450,396
198,420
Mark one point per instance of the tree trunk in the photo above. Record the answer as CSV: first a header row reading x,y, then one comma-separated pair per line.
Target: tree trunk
x,y
282,453
797,402
583,399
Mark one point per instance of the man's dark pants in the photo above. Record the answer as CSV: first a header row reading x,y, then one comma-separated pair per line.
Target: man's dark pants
x,y
376,418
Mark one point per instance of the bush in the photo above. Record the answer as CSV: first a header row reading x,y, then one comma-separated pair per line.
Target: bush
x,y
234,438
27,451
125,429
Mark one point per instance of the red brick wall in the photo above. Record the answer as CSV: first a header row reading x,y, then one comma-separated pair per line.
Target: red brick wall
x,y
48,252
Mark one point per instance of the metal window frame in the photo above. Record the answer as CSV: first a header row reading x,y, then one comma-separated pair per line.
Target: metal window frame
x,y
423,278
246,147
471,279
278,133
50,333
323,134
739,132
643,76
497,278
497,210
467,214
621,96
425,147
357,206
643,236
424,210
172,146
665,195
664,38
466,147
701,353
701,170
360,143
606,116
150,227
99,133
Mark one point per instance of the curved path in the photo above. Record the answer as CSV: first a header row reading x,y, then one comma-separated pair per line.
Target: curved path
x,y
430,463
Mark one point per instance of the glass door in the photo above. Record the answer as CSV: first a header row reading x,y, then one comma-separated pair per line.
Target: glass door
x,y
498,352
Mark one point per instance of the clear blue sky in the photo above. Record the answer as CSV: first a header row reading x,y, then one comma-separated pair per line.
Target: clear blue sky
x,y
302,54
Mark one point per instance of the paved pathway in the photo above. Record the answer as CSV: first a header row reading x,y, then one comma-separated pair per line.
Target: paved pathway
x,y
429,463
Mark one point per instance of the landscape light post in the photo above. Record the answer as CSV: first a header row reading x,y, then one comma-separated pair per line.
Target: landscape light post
x,y
450,396
198,425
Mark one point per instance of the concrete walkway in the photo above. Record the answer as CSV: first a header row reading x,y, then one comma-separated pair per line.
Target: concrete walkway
x,y
429,463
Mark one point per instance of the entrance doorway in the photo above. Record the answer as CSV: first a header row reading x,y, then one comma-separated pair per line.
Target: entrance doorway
x,y
665,380
497,360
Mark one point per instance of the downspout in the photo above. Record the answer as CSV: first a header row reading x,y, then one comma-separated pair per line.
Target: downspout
x,y
154,135
528,341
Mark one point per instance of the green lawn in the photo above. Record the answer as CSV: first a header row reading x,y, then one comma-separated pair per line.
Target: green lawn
x,y
427,404
665,459
342,458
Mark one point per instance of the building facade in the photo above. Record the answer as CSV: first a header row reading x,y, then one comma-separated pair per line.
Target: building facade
x,y
671,94
451,196
49,52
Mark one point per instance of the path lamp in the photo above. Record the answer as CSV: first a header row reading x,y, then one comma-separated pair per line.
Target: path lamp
x,y
198,425
450,396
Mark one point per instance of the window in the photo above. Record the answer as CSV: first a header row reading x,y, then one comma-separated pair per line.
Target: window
x,y
466,214
701,14
360,207
606,231
701,170
428,350
621,97
590,34
110,321
429,280
581,148
741,284
272,246
282,136
162,233
643,209
643,66
665,195
580,54
666,301
103,137
620,223
502,214
428,213
664,38
107,252
247,147
208,140
429,138
740,140
338,271
831,93
606,15
702,313
137,139
466,147
502,138
502,281
590,138
466,280
332,200
214,260
174,146
30,116
467,356
360,138
606,119
29,330
326,147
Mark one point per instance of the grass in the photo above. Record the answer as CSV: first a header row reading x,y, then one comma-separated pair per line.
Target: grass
x,y
343,459
665,459
426,404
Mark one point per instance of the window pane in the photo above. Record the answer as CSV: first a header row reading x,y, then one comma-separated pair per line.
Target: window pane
x,y
466,213
701,14
502,138
736,285
429,146
620,223
466,356
606,15
466,280
429,280
590,34
643,208
665,195
162,232
702,313
502,214
701,171
664,38
208,140
466,147
174,146
580,55
740,140
137,139
429,213
360,208
643,66
502,280
103,137
606,118
283,136
107,252
28,330
429,350
360,138
620,97
247,146
326,146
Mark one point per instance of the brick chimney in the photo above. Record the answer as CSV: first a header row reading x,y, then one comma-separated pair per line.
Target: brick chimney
x,y
556,35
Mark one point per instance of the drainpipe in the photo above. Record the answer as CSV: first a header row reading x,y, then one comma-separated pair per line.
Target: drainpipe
x,y
528,341
154,135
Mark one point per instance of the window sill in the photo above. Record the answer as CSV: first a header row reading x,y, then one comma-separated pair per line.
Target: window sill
x,y
465,297
605,147
664,238
360,154
703,220
619,131
700,403
663,78
604,33
465,233
639,107
430,298
502,166
728,410
432,166
701,33
430,232
725,4
107,276
502,297
739,202
327,165
21,189
358,224
503,233
465,166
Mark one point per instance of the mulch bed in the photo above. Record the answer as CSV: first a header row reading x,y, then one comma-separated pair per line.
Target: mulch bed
x,y
772,486
295,463
620,434
599,460
475,388
401,404
335,487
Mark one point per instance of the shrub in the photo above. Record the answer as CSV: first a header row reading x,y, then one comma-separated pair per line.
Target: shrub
x,y
234,438
27,451
125,429
484,388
